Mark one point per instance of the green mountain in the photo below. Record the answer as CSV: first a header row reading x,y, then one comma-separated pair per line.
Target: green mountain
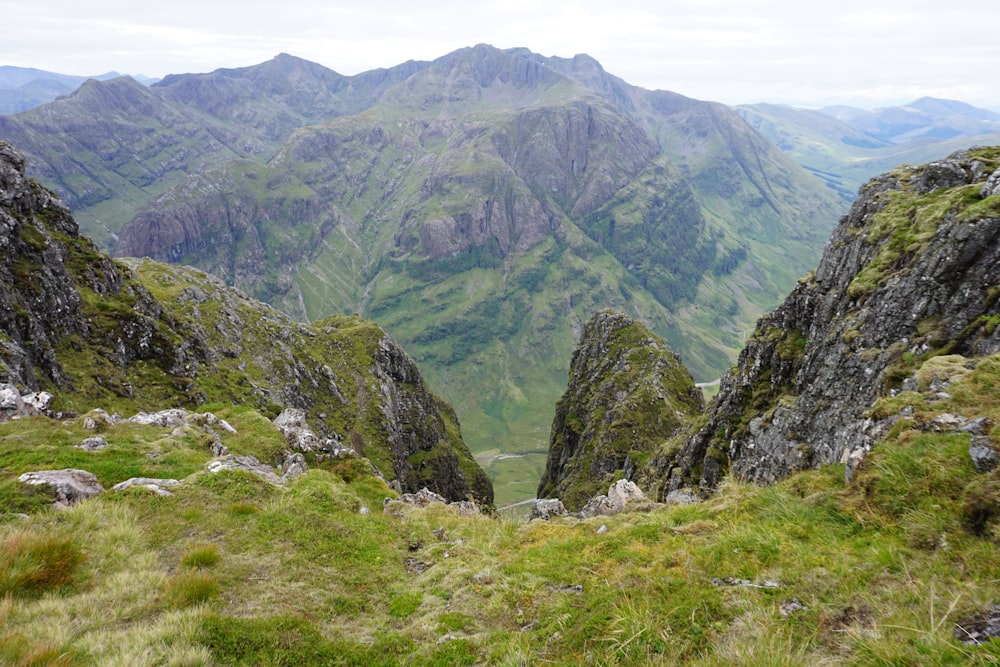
x,y
484,207
112,146
892,558
146,336
845,146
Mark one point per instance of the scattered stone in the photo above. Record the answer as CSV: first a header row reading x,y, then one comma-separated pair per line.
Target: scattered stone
x,y
979,629
292,424
977,426
991,186
852,461
364,510
177,417
15,406
790,606
416,566
422,498
597,506
39,401
947,422
984,457
99,420
465,508
217,448
95,444
683,496
441,534
547,508
603,529
745,583
158,486
71,485
624,492
248,463
165,418
293,465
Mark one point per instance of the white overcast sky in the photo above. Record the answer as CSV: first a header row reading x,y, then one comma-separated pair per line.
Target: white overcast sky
x,y
867,53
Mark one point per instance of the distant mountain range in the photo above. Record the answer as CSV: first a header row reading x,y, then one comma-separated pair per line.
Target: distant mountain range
x,y
845,146
22,88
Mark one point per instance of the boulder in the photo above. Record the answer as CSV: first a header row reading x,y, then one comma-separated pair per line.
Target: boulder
x,y
95,444
247,463
71,485
547,508
158,486
624,492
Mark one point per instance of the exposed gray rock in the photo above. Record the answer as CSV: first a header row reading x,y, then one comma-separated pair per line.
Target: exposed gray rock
x,y
422,498
599,505
71,485
683,496
247,463
14,406
991,186
624,492
800,389
984,457
160,487
979,629
95,444
293,465
547,508
98,420
292,424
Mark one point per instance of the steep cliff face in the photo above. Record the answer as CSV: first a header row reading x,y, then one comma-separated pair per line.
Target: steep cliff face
x,y
913,272
627,393
145,336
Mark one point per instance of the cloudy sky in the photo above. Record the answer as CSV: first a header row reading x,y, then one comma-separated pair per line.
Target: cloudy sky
x,y
865,53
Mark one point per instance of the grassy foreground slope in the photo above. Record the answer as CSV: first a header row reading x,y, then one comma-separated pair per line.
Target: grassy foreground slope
x,y
232,571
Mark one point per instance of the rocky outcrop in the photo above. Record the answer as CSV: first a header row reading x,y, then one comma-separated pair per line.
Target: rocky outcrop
x,y
70,485
911,273
142,336
627,393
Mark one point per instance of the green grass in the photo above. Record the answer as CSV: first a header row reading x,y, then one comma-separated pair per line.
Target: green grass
x,y
230,570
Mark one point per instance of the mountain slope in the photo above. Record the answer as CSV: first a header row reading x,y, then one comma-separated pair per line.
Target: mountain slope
x,y
99,334
906,292
112,146
483,209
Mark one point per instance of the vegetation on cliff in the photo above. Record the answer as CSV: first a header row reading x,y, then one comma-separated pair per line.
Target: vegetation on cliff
x,y
147,336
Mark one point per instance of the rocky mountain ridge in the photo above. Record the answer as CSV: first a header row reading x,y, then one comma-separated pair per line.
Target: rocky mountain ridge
x,y
480,207
909,276
905,301
96,333
627,392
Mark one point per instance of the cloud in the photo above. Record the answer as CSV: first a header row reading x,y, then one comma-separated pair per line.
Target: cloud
x,y
727,50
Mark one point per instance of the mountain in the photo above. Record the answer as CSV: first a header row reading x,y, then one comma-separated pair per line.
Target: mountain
x,y
480,207
112,146
846,146
23,88
483,208
165,551
903,303
927,119
142,336
626,394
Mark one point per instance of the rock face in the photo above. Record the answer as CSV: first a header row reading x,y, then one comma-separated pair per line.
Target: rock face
x,y
145,336
911,273
627,393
